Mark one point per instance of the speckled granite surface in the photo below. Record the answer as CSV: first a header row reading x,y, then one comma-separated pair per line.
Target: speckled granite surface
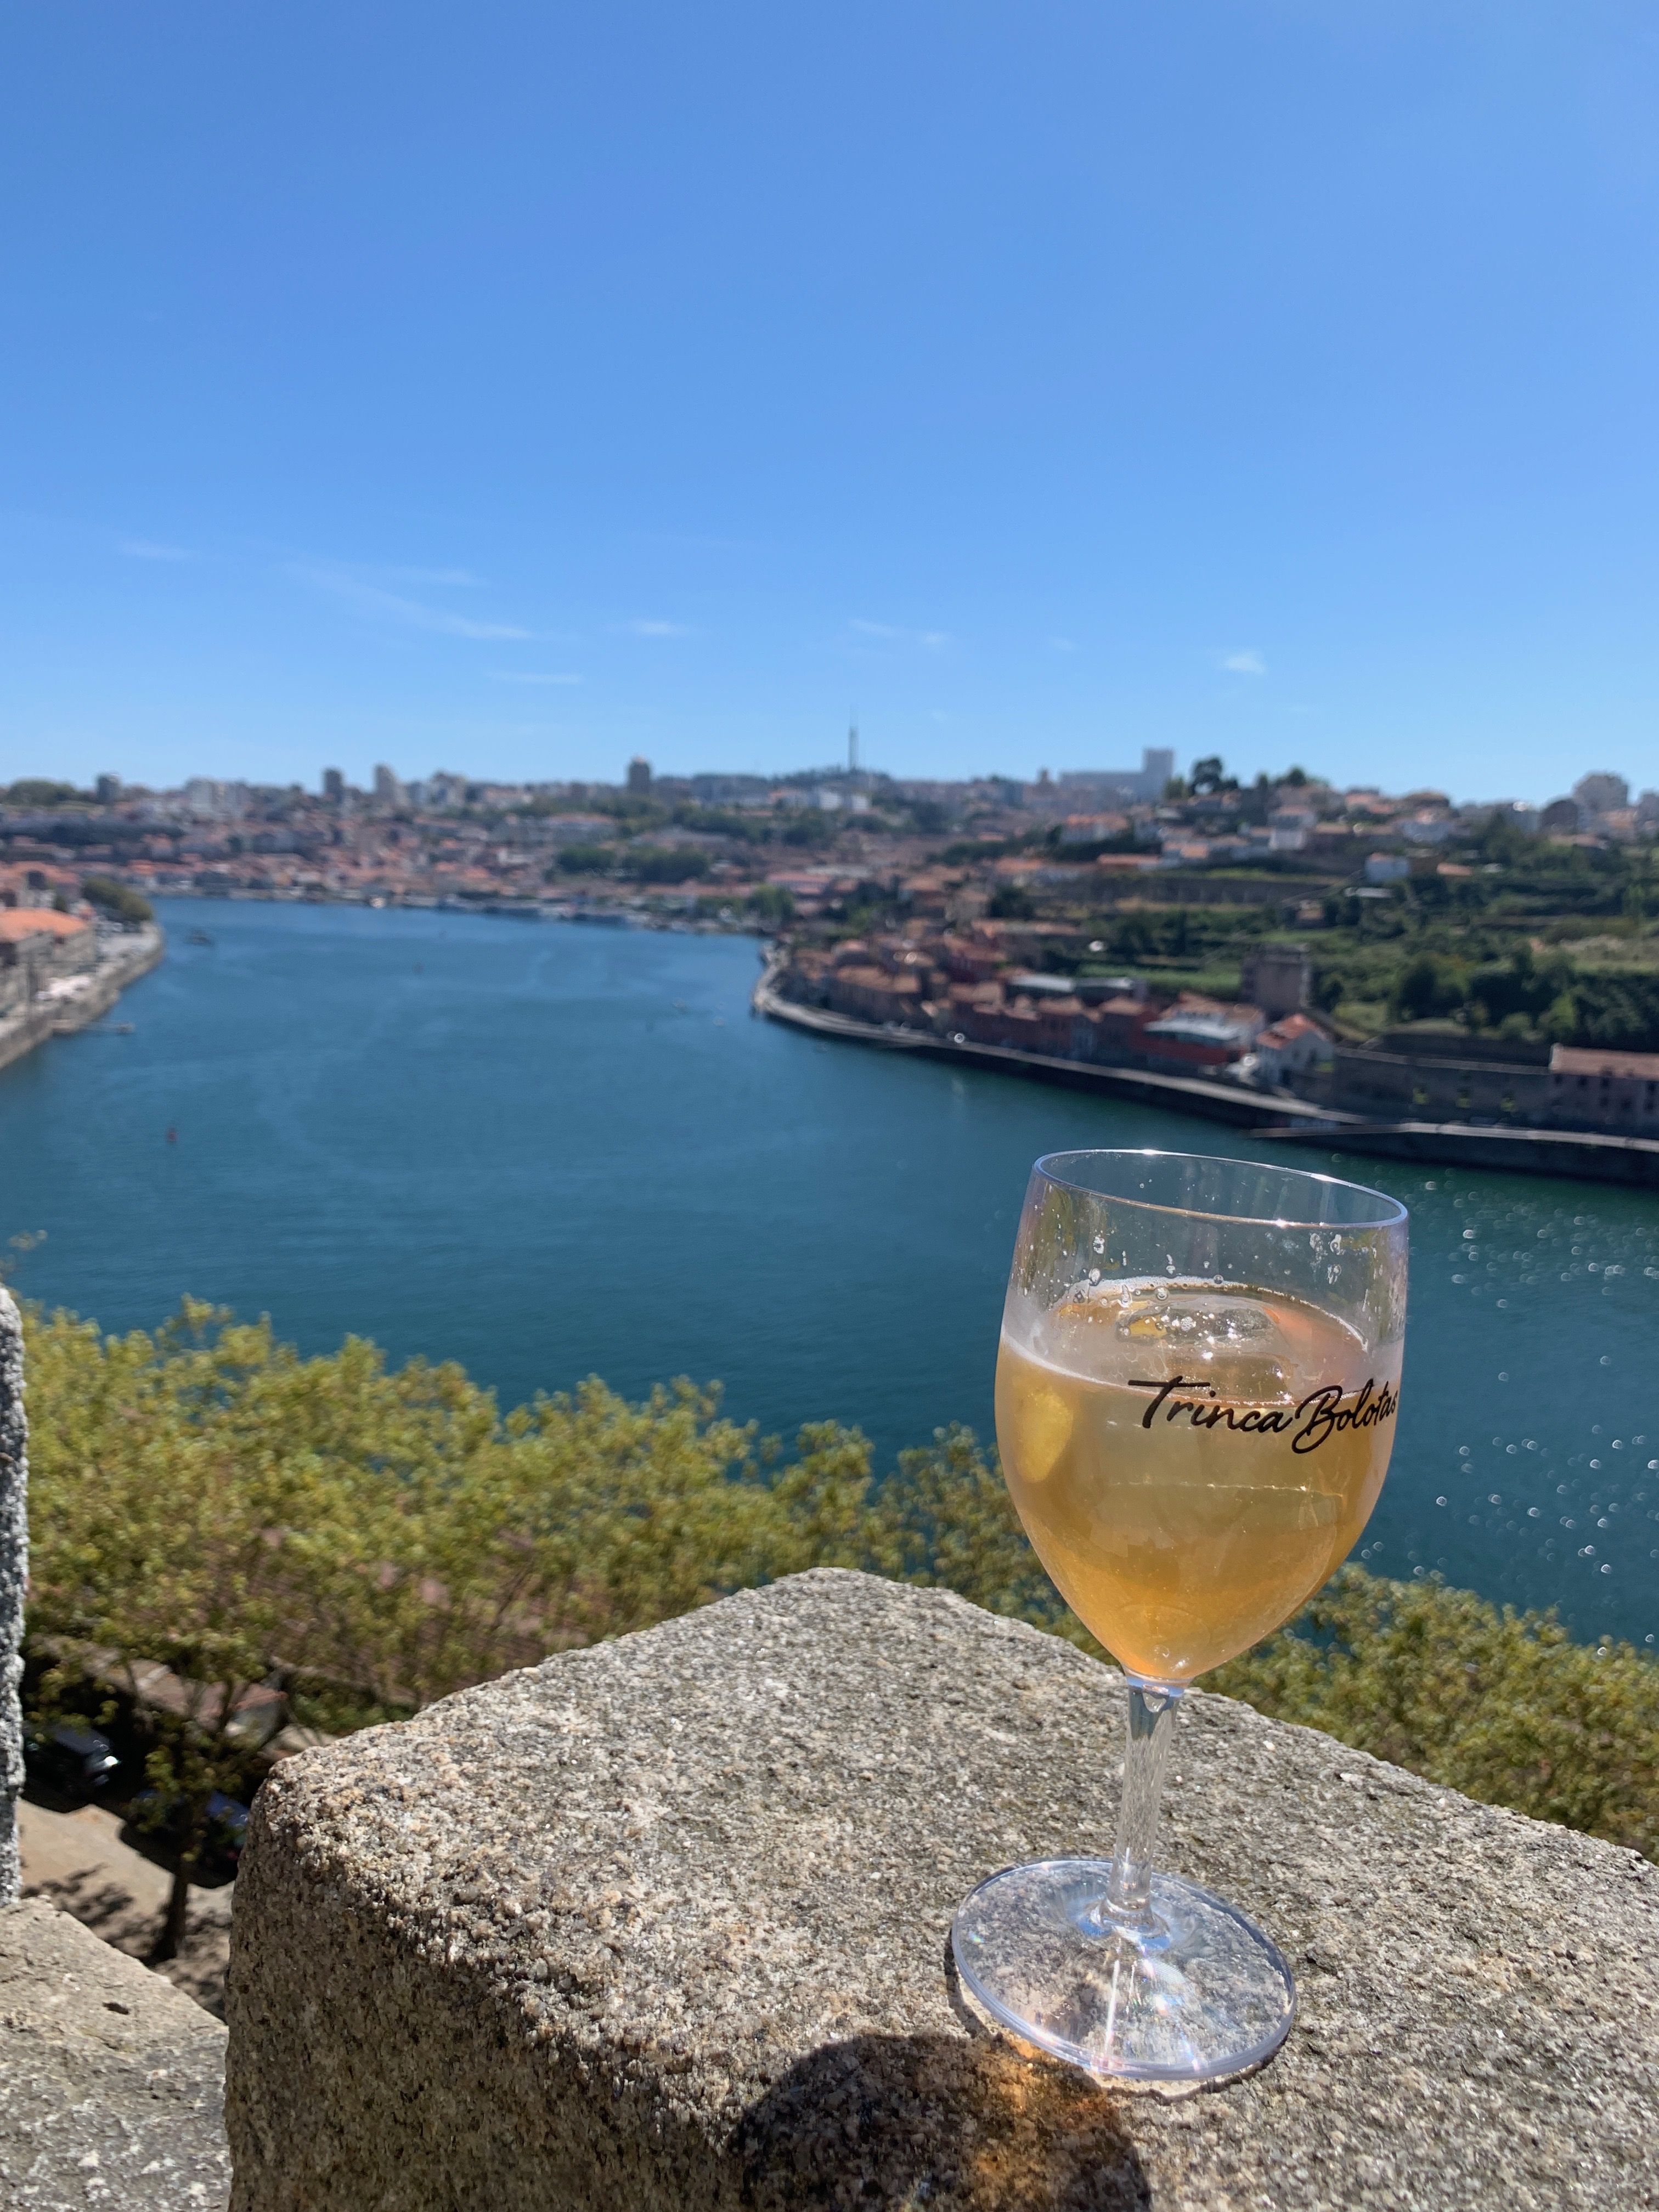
x,y
14,1582
665,1923
111,2080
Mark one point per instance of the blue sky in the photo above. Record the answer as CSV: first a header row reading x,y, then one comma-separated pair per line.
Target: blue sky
x,y
516,388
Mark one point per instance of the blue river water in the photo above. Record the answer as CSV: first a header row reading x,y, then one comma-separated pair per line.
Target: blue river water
x,y
550,1151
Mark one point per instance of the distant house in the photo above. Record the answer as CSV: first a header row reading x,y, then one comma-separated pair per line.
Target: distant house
x,y
38,947
1115,1030
1386,868
870,994
1199,1033
1617,1091
1092,829
1293,1046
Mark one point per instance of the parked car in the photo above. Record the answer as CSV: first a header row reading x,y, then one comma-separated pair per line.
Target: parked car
x,y
70,1757
227,1824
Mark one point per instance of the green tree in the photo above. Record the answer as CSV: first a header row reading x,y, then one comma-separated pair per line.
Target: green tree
x,y
1499,1704
1429,986
771,902
123,904
355,1543
666,864
198,1506
42,791
1010,902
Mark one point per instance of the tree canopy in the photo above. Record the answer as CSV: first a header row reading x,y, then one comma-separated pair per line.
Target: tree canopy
x,y
231,1537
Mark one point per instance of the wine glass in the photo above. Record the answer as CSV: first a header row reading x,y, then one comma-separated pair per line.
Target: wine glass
x,y
1195,1401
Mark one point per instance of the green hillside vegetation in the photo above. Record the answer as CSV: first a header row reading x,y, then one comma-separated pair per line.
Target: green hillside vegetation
x,y
364,1541
1528,939
119,901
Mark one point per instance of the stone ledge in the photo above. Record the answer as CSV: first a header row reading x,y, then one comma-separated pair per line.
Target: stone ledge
x,y
110,2081
665,1923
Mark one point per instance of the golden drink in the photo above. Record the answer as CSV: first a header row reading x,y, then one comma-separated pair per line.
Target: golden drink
x,y
1191,1461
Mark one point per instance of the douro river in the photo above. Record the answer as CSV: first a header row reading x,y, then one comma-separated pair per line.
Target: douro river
x,y
550,1151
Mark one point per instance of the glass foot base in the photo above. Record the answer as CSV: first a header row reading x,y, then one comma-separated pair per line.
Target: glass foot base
x,y
1195,1993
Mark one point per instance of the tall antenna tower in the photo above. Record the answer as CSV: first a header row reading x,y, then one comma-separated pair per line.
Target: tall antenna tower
x,y
853,747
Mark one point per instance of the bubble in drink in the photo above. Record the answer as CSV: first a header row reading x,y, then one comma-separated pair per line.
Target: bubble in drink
x,y
1191,1461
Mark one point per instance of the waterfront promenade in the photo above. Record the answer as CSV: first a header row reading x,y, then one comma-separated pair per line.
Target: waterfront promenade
x,y
1180,1094
74,1002
1589,1156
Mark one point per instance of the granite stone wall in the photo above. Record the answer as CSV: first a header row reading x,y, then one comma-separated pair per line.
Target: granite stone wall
x,y
13,1577
662,1926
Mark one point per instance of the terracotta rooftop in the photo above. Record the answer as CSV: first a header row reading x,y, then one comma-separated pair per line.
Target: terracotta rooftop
x,y
17,922
1581,1060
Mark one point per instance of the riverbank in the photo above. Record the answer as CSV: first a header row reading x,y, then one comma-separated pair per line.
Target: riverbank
x,y
678,913
74,1002
1587,1156
1178,1094
549,1153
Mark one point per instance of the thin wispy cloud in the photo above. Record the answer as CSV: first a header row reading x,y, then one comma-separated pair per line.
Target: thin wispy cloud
x,y
437,579
930,641
528,676
146,549
1061,644
378,604
1247,662
645,627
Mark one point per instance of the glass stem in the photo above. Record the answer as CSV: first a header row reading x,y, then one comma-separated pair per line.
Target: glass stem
x,y
1152,1726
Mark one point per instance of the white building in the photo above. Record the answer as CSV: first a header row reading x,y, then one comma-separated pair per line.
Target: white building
x,y
209,800
1290,1046
1147,782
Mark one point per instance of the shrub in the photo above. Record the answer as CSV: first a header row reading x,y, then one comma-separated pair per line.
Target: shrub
x,y
771,902
1429,986
123,904
1500,1705
666,864
41,790
369,1541
1010,902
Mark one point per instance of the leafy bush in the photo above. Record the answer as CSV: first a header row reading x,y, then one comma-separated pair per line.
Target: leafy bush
x,y
586,859
123,904
666,864
369,1541
1621,1011
1502,1705
1521,985
41,790
1429,986
1010,902
771,902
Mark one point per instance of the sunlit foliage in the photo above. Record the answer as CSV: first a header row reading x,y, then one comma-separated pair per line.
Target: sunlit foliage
x,y
358,1542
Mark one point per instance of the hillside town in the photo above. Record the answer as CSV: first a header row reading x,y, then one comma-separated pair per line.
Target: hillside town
x,y
1392,953
816,836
